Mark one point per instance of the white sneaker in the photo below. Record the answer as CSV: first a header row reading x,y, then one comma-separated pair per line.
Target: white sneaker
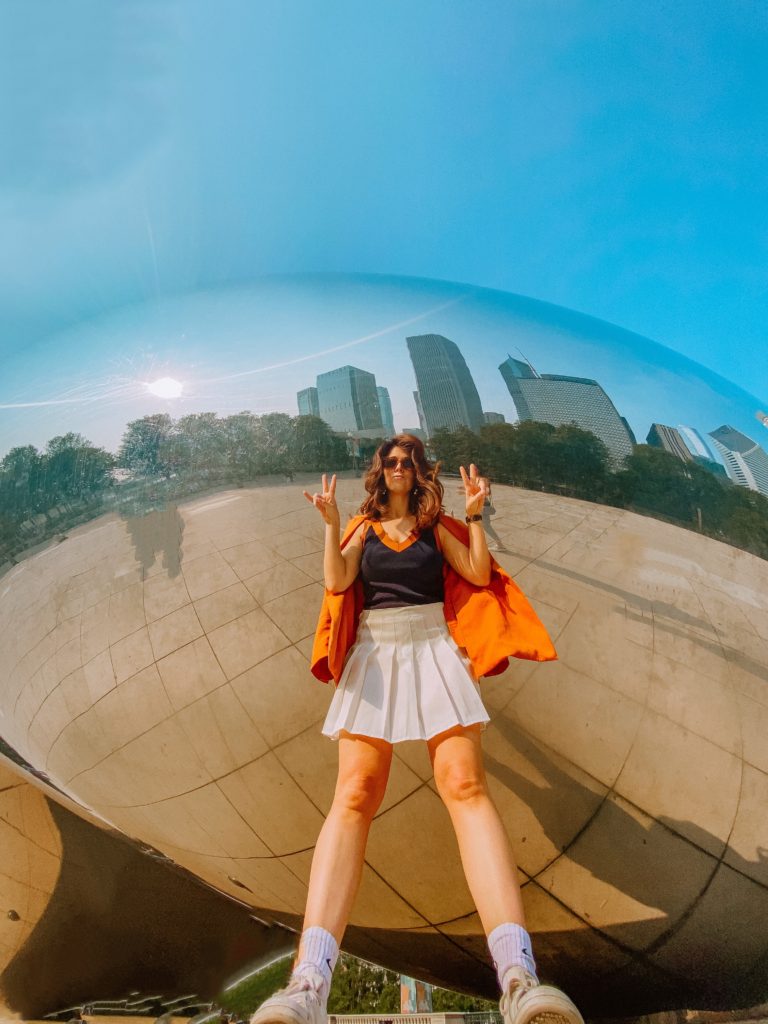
x,y
299,1002
525,1001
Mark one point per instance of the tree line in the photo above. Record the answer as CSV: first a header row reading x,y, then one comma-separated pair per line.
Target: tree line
x,y
242,446
43,493
571,461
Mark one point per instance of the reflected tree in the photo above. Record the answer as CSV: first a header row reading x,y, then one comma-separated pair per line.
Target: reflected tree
x,y
578,460
455,448
74,468
276,435
144,446
241,438
21,486
574,462
197,444
50,491
315,447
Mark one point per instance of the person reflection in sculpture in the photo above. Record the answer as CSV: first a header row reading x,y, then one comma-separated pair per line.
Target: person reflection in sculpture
x,y
405,678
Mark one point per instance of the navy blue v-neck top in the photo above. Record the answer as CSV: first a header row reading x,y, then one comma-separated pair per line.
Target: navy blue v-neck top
x,y
395,575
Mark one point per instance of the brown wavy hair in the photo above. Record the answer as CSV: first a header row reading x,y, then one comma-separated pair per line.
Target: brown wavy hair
x,y
425,500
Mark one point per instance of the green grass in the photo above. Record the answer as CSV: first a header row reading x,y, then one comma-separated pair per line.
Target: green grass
x,y
244,998
358,987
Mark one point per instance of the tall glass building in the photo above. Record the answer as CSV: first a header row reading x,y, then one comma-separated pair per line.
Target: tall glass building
x,y
385,406
694,442
670,439
745,461
686,443
348,400
447,396
308,402
552,398
420,413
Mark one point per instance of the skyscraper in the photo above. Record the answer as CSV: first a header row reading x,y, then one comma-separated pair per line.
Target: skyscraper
x,y
348,401
745,461
552,398
695,443
687,444
308,403
670,439
700,450
447,394
420,414
385,406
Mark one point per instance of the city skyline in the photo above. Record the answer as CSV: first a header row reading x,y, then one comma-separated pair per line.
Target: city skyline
x,y
328,320
674,440
684,442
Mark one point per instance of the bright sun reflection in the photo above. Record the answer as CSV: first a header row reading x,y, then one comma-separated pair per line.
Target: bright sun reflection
x,y
166,387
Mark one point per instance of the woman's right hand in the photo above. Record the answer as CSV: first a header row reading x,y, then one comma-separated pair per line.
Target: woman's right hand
x,y
325,502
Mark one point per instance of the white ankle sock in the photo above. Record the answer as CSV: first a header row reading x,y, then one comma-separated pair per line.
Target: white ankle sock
x,y
319,953
510,946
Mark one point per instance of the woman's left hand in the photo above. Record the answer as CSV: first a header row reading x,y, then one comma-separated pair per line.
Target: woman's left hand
x,y
475,489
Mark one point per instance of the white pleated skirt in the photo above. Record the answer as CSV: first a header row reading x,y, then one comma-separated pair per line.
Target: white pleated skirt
x,y
404,678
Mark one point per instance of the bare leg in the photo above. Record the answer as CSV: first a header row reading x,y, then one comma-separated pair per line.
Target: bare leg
x,y
337,863
486,856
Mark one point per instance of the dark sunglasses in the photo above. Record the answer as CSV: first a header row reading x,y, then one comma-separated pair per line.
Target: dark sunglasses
x,y
391,462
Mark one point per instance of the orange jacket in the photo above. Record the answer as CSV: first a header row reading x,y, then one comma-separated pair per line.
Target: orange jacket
x,y
492,624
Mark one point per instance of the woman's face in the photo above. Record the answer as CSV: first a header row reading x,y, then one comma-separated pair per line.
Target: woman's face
x,y
398,478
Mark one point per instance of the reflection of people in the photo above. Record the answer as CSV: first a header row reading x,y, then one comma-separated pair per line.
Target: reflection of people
x,y
488,511
404,677
159,530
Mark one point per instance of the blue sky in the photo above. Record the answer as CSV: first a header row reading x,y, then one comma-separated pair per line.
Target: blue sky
x,y
607,157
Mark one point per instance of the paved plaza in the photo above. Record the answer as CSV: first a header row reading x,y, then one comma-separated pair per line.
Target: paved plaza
x,y
157,672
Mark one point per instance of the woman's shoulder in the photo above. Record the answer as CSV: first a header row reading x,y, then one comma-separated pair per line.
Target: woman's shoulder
x,y
357,526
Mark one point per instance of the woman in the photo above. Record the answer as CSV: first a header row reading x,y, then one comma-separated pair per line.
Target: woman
x,y
401,675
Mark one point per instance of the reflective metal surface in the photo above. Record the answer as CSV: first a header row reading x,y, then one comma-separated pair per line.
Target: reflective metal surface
x,y
155,666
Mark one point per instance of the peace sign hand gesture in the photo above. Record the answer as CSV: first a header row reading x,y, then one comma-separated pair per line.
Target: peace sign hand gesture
x,y
325,503
475,489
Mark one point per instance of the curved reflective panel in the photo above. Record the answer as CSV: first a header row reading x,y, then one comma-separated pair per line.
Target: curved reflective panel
x,y
87,918
155,646
29,869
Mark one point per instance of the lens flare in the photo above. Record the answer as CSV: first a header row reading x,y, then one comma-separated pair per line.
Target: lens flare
x,y
166,387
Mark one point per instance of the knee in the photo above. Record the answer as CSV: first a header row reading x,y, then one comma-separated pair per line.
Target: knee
x,y
457,785
360,793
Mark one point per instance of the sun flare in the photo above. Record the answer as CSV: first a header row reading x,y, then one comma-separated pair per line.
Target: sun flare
x,y
166,387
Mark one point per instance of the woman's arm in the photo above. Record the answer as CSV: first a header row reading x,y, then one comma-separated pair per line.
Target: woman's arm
x,y
474,562
339,567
